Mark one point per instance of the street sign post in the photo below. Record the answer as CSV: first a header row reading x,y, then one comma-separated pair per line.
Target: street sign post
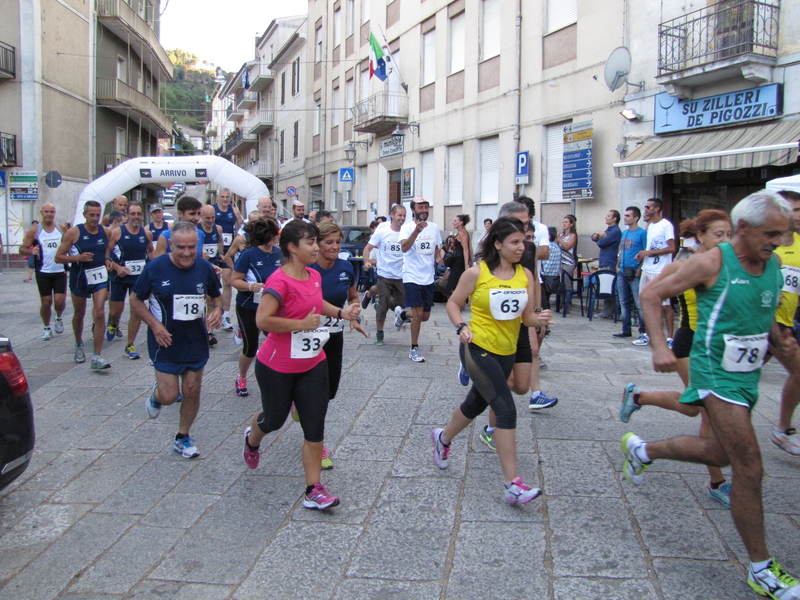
x,y
347,174
523,168
577,161
23,185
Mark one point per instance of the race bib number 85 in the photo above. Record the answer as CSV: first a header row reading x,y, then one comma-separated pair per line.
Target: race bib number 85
x,y
187,307
506,305
744,354
308,344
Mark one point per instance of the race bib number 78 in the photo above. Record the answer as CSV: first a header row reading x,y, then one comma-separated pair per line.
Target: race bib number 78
x,y
745,353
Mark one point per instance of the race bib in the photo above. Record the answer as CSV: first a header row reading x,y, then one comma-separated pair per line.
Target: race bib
x,y
791,279
424,246
308,344
135,267
227,239
51,244
155,243
332,324
506,305
744,354
211,250
188,307
96,275
393,248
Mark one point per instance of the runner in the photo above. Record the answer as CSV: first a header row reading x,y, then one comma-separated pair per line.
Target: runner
x,y
176,287
88,278
239,244
120,205
229,218
42,242
291,364
188,210
339,290
157,224
134,245
738,289
260,259
502,297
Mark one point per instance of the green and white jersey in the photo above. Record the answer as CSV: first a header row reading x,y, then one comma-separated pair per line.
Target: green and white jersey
x,y
734,317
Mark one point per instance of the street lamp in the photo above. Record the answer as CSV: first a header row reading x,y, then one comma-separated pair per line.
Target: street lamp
x,y
350,151
399,131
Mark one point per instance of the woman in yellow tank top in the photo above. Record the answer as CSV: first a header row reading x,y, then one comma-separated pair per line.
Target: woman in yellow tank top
x,y
501,297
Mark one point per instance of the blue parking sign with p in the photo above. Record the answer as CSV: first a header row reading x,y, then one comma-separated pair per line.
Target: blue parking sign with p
x,y
346,174
523,168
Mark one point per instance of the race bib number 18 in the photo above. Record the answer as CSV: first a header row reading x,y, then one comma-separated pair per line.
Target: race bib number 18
x,y
187,307
744,354
506,305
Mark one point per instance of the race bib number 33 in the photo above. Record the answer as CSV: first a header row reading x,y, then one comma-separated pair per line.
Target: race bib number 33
x,y
744,354
308,344
506,305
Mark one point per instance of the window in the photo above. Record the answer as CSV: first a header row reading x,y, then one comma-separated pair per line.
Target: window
x,y
362,188
121,141
318,44
282,146
364,84
334,190
335,107
457,44
554,162
296,76
296,140
365,10
283,87
428,57
560,13
455,174
337,27
427,173
351,17
394,79
349,98
490,29
122,69
490,170
317,118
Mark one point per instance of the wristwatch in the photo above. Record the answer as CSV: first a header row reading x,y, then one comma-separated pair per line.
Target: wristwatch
x,y
459,327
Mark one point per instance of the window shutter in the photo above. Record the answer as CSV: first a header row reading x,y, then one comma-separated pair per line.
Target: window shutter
x,y
555,162
455,174
561,13
365,5
426,189
490,38
362,188
457,44
490,170
429,57
364,84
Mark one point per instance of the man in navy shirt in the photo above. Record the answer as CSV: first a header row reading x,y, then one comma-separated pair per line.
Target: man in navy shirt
x,y
176,286
608,241
633,241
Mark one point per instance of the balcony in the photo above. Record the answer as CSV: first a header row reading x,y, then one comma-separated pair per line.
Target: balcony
x,y
122,98
245,99
233,113
260,77
262,121
260,168
380,113
113,160
128,25
732,38
239,143
8,150
8,61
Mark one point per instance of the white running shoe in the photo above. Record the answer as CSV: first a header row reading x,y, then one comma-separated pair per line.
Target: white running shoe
x,y
226,323
47,334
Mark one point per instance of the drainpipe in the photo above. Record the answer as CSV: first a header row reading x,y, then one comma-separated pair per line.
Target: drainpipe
x,y
518,79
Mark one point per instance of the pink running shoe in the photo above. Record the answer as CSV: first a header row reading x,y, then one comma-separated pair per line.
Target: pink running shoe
x,y
517,492
319,498
251,457
440,451
241,386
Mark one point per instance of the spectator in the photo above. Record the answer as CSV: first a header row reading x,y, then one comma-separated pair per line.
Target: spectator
x,y
31,259
568,242
461,250
608,241
551,270
322,216
633,241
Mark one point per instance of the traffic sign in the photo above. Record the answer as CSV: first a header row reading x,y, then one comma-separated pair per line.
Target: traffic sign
x,y
23,185
53,179
347,174
576,174
291,191
523,168
2,179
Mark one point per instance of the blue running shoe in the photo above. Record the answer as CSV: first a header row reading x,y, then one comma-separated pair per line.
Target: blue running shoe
x,y
463,376
629,405
722,494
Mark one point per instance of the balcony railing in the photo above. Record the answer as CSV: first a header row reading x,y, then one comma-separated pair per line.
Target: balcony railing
x,y
239,142
260,76
8,150
8,68
724,30
245,99
113,160
380,112
121,18
116,93
260,168
261,121
232,113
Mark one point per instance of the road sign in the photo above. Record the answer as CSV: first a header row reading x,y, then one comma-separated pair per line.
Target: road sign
x,y
577,161
347,174
291,191
523,168
2,179
23,185
53,179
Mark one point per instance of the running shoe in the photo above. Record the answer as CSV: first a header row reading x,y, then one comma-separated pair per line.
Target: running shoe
x,y
251,457
212,339
642,340
226,323
295,414
237,335
416,355
629,405
80,355
440,451
59,325
517,492
153,408
773,582
788,441
542,364
487,438
722,494
541,400
98,364
186,448
669,343
633,466
111,332
398,318
327,463
463,376
47,334
241,386
28,280
118,332
379,338
130,352
319,498
365,300
622,334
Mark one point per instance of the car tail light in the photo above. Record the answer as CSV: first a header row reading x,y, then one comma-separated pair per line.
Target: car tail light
x,y
11,370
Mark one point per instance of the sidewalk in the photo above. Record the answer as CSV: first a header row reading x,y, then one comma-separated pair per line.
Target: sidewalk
x,y
107,509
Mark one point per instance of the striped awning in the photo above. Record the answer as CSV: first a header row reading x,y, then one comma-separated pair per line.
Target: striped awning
x,y
724,150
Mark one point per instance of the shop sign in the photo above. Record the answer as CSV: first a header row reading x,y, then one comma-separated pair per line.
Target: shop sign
x,y
391,146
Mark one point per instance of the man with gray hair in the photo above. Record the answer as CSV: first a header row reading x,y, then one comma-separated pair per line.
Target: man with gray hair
x,y
738,286
230,219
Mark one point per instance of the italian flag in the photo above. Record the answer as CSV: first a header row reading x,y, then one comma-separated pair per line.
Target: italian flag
x,y
377,62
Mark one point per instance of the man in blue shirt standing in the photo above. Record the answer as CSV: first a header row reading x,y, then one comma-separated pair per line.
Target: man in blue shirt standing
x,y
608,241
634,239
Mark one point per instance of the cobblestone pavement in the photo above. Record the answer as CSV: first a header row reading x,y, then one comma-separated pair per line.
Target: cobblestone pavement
x,y
108,510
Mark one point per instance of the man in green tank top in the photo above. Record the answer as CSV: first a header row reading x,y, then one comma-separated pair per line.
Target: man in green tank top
x,y
738,286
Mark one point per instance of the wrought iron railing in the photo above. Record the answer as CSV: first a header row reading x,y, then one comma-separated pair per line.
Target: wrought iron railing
x,y
8,150
113,160
720,31
8,60
245,96
114,92
140,21
380,105
240,138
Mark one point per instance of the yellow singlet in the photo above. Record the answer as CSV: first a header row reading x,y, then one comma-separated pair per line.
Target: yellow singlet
x,y
497,306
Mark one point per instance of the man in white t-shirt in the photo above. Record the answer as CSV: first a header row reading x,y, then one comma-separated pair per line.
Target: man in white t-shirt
x,y
391,292
657,255
420,241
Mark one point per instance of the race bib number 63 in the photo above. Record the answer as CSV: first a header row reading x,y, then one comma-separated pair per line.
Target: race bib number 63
x,y
506,305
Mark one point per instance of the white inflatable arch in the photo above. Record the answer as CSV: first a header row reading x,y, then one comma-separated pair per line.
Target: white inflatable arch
x,y
170,169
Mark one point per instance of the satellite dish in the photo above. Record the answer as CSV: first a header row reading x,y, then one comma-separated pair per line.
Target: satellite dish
x,y
618,65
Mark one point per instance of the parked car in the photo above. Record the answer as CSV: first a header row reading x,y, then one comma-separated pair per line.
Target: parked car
x,y
17,433
168,218
354,239
168,198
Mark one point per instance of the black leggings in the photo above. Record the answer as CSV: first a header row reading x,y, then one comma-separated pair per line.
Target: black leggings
x,y
308,391
489,373
247,323
333,351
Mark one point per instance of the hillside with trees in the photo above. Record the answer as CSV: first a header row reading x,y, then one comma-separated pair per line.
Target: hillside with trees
x,y
185,96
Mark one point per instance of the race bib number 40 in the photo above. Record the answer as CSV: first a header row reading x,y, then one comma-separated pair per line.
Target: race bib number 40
x,y
308,344
96,275
744,354
791,279
227,239
506,305
187,307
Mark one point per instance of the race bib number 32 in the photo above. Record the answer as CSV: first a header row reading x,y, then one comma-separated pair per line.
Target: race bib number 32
x,y
187,307
506,305
744,354
308,344
135,267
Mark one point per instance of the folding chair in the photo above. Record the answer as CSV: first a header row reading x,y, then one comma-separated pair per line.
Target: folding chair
x,y
571,285
602,285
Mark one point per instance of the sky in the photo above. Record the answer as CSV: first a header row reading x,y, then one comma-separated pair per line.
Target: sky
x,y
221,32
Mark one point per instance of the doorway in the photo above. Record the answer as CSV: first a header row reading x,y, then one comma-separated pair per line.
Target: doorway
x,y
394,188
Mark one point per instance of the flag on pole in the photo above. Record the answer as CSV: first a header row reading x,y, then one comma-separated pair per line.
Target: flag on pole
x,y
377,63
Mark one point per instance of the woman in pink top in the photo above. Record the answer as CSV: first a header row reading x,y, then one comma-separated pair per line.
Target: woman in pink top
x,y
291,366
